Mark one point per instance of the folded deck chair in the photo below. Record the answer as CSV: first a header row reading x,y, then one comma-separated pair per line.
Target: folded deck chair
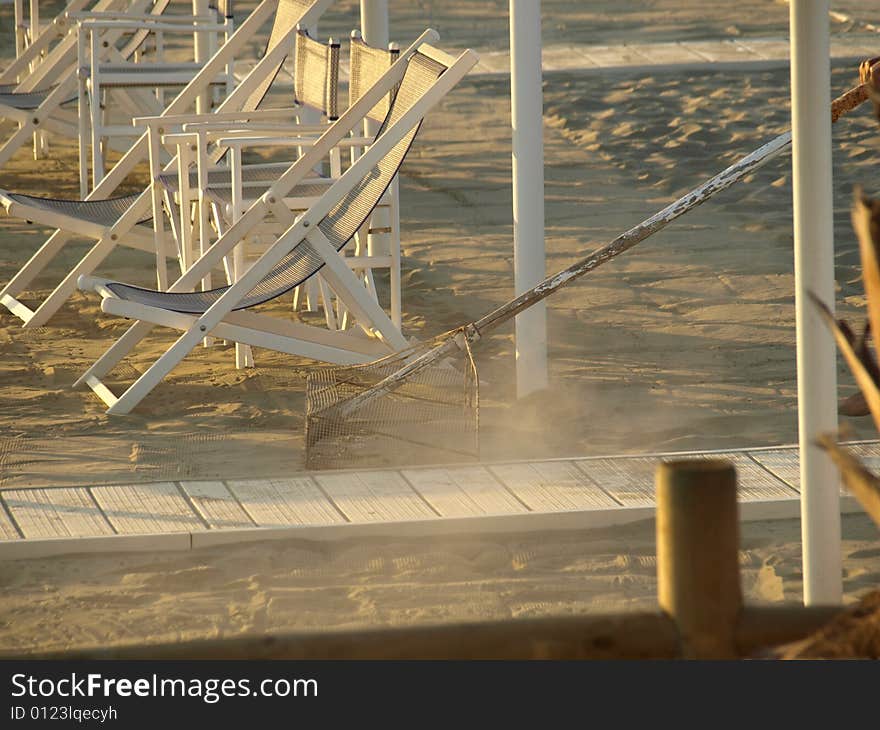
x,y
92,218
310,244
36,103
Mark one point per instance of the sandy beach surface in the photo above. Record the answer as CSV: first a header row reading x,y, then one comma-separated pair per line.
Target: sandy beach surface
x,y
685,342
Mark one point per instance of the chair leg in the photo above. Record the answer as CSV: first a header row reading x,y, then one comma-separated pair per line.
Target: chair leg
x,y
394,275
19,138
35,264
157,372
86,265
327,303
115,354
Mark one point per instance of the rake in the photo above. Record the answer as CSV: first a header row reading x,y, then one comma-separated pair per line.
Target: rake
x,y
421,405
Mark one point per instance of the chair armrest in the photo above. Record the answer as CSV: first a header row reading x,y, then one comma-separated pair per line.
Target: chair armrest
x,y
269,124
111,15
151,26
180,119
250,140
179,138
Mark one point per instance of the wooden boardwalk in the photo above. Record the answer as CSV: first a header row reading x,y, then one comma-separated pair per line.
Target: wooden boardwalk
x,y
504,497
752,53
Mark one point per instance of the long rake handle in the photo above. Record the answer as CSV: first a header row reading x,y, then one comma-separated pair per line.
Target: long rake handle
x,y
657,222
648,227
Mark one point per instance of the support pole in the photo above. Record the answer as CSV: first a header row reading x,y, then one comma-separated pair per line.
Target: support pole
x,y
201,54
526,108
698,555
374,22
814,272
375,32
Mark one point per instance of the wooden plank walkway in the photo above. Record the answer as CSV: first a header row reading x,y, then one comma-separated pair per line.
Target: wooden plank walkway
x,y
751,53
706,55
514,496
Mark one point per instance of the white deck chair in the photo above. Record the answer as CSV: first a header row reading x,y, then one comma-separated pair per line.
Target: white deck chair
x,y
114,221
192,193
310,244
366,65
36,103
34,39
315,87
33,35
40,61
138,86
228,198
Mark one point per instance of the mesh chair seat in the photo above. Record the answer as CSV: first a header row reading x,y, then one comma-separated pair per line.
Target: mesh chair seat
x,y
102,212
339,225
26,100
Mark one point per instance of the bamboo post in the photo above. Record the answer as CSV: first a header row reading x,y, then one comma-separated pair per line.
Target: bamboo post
x,y
697,555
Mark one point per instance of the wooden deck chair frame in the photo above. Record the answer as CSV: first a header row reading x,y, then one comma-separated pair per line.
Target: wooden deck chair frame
x,y
120,233
56,79
54,42
30,47
316,87
27,24
366,66
34,37
190,145
363,259
134,85
258,330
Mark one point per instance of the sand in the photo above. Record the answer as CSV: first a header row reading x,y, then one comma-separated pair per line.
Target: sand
x,y
294,585
686,342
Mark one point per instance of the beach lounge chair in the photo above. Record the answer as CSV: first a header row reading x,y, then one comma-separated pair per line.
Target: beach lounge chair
x,y
36,104
310,244
34,40
188,195
228,198
138,87
315,90
126,220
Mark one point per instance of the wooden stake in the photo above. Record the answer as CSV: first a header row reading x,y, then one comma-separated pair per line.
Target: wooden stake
x,y
697,555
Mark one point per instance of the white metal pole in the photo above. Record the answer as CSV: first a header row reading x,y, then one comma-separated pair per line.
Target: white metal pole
x,y
375,32
201,55
526,104
374,22
814,271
